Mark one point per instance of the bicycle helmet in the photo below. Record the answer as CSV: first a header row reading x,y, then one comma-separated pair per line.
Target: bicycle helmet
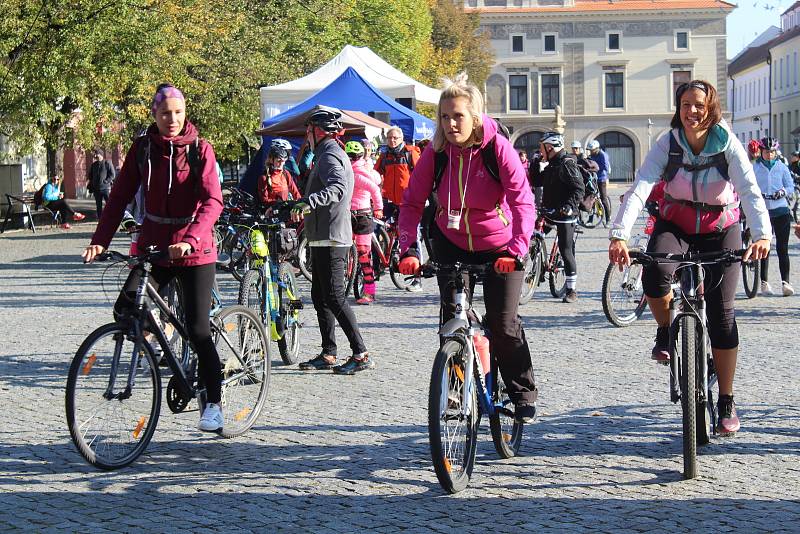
x,y
576,144
277,152
283,143
594,144
354,149
325,118
769,143
754,146
554,139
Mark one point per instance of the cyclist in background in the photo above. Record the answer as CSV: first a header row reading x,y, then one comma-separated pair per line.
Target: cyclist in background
x,y
179,216
366,203
794,164
276,183
776,183
291,164
753,149
600,157
563,190
480,220
707,222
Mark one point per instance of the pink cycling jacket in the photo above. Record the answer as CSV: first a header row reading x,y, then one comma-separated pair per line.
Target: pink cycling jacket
x,y
495,215
366,189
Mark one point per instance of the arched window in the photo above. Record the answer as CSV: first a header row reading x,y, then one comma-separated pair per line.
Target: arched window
x,y
620,150
528,142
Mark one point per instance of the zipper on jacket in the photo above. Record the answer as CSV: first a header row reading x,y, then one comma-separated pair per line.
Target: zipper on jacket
x,y
463,199
501,215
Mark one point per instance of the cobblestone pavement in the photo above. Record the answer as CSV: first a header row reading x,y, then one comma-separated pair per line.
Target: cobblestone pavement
x,y
346,454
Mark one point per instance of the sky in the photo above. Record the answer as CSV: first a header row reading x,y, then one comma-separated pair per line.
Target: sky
x,y
750,19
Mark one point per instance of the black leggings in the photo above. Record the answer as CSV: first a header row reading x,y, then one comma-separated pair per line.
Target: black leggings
x,y
602,188
566,246
63,207
196,283
327,294
501,298
720,281
782,225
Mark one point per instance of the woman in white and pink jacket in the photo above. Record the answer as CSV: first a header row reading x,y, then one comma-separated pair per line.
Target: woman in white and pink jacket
x,y
366,203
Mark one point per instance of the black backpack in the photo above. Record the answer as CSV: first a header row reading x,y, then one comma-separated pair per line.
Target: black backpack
x,y
675,162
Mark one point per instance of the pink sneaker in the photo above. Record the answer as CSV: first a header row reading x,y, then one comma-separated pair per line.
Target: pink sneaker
x,y
66,226
78,216
366,300
726,412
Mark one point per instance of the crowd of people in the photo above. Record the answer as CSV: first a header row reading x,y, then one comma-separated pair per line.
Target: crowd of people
x,y
468,196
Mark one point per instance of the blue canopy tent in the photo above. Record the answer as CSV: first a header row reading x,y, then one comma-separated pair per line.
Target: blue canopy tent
x,y
348,91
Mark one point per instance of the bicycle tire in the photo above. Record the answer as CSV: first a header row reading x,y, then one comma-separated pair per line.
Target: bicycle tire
x,y
533,272
705,415
398,278
358,283
382,237
453,459
613,299
136,415
251,294
506,431
350,265
289,344
590,219
558,278
304,258
688,387
236,330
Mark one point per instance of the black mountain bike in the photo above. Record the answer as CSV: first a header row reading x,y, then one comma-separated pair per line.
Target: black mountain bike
x,y
113,394
692,374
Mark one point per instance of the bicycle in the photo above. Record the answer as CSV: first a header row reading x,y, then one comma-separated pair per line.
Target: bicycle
x,y
270,288
539,265
232,233
113,393
691,364
595,215
751,270
385,256
462,389
622,293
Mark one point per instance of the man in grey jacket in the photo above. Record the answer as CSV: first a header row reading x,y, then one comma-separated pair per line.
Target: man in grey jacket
x,y
101,178
326,208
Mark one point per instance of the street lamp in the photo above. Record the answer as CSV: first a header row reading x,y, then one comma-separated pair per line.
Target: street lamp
x,y
757,120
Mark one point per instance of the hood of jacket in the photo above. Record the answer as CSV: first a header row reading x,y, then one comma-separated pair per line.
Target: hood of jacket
x,y
187,136
489,129
719,137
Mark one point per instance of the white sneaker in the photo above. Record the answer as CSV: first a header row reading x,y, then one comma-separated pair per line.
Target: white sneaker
x,y
766,289
416,286
211,420
788,290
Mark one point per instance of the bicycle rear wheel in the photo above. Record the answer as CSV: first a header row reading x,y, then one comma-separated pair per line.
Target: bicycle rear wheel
x,y
452,435
289,297
350,268
109,426
688,385
304,258
751,271
623,294
558,278
533,273
506,431
382,238
243,349
251,293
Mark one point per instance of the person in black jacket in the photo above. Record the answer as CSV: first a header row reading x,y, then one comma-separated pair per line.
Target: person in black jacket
x,y
563,190
101,176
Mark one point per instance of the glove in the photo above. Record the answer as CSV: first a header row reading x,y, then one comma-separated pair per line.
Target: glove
x,y
565,211
409,266
300,210
505,265
378,214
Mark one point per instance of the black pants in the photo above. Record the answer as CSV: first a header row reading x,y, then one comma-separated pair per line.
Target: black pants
x,y
602,188
566,246
63,207
327,294
196,283
781,225
720,281
501,298
99,198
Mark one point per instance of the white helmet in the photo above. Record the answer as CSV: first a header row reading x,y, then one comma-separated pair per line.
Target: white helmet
x,y
283,143
554,139
594,144
576,144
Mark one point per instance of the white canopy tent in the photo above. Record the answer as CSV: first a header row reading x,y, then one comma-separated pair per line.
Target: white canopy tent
x,y
380,74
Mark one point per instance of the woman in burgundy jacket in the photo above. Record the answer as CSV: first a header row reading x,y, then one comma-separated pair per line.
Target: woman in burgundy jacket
x,y
182,203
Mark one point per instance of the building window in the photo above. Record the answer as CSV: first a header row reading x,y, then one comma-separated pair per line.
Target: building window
x,y
549,43
550,91
614,90
517,43
780,75
681,40
680,77
613,43
518,92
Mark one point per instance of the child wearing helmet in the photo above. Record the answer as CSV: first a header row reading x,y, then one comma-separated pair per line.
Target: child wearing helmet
x,y
365,203
276,183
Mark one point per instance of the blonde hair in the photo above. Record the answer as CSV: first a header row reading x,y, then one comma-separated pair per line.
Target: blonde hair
x,y
455,88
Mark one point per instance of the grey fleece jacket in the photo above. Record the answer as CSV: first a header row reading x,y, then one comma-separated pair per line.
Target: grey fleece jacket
x,y
328,191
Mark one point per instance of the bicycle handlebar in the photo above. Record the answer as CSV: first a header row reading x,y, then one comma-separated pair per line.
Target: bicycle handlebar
x,y
431,269
701,258
151,255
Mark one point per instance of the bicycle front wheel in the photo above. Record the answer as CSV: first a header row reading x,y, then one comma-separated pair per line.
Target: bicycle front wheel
x,y
533,273
243,349
304,258
623,294
558,277
506,431
452,433
252,293
109,425
688,384
289,297
400,281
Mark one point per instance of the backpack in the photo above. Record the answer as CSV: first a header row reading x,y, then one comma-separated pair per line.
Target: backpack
x,y
38,198
488,153
675,162
192,156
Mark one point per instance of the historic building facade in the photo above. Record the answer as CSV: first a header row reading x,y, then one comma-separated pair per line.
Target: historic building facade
x,y
785,65
610,66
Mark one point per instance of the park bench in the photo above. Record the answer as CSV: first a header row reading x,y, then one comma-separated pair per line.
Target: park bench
x,y
22,205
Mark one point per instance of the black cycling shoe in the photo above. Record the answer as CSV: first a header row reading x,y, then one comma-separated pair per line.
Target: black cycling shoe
x,y
353,365
524,412
660,352
318,363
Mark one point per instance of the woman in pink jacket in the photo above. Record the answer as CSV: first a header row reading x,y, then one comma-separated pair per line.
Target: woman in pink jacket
x,y
182,201
366,202
480,219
